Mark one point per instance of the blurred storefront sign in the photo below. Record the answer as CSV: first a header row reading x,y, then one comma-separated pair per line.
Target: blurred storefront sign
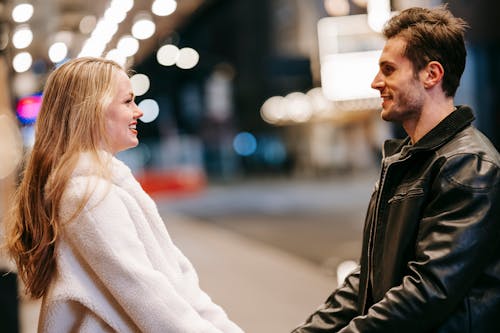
x,y
349,50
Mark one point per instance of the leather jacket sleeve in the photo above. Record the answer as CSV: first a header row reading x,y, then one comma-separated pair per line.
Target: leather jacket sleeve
x,y
340,307
456,241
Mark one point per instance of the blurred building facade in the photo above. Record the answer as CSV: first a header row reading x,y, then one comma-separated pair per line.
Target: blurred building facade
x,y
253,56
262,49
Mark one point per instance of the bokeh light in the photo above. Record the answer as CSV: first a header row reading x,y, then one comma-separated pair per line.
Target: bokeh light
x,y
245,144
117,57
163,7
22,62
188,58
337,7
140,84
22,12
22,37
379,11
143,27
298,107
273,111
167,55
151,110
58,52
128,45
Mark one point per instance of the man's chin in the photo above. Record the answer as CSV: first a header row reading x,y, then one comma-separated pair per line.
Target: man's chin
x,y
386,115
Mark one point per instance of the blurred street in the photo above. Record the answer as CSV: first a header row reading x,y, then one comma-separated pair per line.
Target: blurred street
x,y
266,250
318,220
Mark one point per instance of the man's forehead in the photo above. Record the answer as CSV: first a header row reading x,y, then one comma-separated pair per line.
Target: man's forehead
x,y
394,50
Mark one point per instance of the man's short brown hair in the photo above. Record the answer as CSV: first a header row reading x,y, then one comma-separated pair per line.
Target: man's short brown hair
x,y
432,34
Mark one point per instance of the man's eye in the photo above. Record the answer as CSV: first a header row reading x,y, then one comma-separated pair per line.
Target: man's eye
x,y
387,70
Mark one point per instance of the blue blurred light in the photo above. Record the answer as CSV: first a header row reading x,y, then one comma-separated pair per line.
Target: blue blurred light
x,y
245,144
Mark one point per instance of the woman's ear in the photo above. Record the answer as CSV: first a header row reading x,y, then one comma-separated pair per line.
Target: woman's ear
x,y
432,74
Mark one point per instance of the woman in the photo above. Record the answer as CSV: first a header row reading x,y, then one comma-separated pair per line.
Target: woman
x,y
84,234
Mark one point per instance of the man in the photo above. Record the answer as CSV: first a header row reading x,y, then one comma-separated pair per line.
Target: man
x,y
430,260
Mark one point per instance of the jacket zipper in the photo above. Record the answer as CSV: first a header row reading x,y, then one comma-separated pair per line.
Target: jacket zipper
x,y
371,238
386,163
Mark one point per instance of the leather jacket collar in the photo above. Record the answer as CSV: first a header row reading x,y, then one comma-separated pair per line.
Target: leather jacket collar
x,y
439,135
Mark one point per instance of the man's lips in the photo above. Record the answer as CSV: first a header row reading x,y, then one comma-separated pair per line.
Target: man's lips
x,y
385,99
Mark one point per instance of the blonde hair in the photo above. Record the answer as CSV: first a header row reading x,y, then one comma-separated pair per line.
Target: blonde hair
x,y
70,121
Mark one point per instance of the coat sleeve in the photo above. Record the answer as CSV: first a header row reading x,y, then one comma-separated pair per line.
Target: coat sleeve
x,y
340,307
105,237
457,238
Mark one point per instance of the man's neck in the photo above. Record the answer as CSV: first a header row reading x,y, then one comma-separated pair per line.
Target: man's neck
x,y
430,116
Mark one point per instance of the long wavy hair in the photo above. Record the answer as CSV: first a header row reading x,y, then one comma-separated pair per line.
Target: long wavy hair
x,y
71,121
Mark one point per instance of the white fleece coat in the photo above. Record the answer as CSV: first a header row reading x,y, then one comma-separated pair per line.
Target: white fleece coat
x,y
117,268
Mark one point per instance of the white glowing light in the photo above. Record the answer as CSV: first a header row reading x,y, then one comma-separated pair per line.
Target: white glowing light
x,y
22,62
93,48
188,58
23,36
140,84
299,108
143,28
163,7
348,76
22,12
115,14
105,30
320,104
150,109
273,110
128,45
337,7
379,11
123,5
58,51
117,57
167,55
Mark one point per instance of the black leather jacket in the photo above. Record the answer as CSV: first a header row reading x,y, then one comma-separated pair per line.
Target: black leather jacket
x,y
431,248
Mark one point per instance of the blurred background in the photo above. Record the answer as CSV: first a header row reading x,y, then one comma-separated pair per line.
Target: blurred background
x,y
261,135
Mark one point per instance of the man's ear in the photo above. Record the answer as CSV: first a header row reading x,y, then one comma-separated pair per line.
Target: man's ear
x,y
432,74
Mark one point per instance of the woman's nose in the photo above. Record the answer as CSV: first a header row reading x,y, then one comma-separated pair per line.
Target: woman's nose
x,y
138,112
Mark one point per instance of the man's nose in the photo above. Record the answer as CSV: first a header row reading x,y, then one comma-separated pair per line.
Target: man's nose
x,y
377,82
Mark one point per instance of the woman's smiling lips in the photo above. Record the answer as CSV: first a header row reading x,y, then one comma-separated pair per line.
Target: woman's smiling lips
x,y
132,127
